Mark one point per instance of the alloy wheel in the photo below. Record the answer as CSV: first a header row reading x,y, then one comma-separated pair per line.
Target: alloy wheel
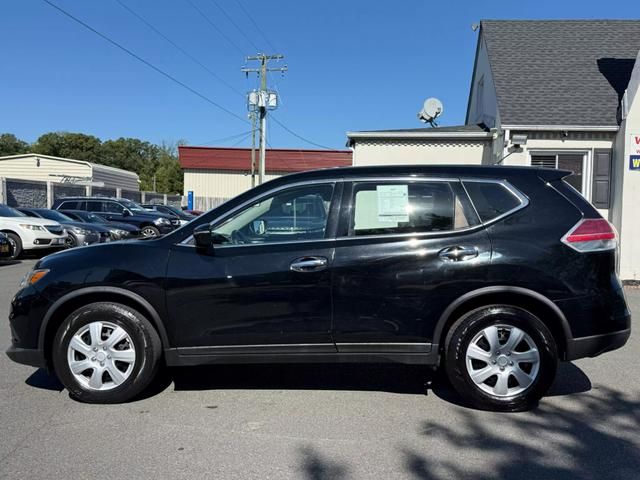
x,y
101,356
502,360
148,232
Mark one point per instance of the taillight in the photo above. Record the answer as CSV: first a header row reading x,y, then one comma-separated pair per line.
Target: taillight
x,y
591,235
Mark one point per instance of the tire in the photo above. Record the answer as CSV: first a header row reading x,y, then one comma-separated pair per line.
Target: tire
x,y
16,245
150,231
71,241
505,388
100,382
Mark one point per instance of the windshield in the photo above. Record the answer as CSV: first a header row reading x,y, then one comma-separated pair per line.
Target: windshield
x,y
175,210
54,215
10,212
133,206
94,218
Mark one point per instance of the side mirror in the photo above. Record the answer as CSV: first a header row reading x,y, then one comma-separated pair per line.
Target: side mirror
x,y
202,236
126,213
259,227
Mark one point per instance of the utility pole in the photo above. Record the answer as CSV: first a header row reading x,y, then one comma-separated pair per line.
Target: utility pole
x,y
258,103
252,115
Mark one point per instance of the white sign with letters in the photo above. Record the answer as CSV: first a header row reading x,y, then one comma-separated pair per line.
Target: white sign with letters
x,y
393,203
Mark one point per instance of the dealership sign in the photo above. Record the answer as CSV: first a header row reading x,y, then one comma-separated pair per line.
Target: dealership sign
x,y
634,149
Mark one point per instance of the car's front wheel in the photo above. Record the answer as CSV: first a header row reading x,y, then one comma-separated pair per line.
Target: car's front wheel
x,y
150,231
501,358
106,353
71,241
16,245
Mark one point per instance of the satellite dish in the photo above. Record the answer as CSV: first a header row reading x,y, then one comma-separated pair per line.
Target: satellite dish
x,y
431,109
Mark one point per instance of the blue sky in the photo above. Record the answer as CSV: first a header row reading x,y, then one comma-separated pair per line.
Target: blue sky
x,y
353,65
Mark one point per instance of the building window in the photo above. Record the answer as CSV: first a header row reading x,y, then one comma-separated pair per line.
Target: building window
x,y
564,161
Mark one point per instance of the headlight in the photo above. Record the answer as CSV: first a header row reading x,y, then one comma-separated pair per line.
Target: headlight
x,y
80,231
117,233
34,276
162,221
32,227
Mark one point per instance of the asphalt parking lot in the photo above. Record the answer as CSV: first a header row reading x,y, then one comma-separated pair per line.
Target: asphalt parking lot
x,y
319,422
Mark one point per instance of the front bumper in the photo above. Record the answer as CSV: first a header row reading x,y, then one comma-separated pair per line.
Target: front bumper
x,y
87,239
27,356
596,344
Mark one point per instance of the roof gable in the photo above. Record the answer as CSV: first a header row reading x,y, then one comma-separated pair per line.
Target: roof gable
x,y
561,72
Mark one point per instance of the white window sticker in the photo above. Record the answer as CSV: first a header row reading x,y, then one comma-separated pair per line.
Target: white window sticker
x,y
393,203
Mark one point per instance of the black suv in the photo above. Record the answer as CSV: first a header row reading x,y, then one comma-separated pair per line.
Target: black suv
x,y
492,273
150,224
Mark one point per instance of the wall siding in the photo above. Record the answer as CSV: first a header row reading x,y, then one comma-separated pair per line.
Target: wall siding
x,y
218,183
421,152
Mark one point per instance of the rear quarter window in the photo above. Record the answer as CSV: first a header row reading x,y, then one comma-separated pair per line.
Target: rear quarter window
x,y
492,199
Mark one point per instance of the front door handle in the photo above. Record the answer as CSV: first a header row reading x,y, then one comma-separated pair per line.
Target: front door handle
x,y
309,264
457,253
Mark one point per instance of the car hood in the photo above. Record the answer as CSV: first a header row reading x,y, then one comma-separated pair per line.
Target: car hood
x,y
30,221
87,226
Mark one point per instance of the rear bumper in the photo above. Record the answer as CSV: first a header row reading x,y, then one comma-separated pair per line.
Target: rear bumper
x,y
27,356
597,344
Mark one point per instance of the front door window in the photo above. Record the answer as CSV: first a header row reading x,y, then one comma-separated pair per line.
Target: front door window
x,y
295,214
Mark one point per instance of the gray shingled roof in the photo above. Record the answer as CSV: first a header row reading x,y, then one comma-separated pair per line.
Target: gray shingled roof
x,y
447,129
561,72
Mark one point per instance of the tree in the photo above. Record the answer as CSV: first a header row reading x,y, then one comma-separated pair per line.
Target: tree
x,y
69,145
12,145
169,173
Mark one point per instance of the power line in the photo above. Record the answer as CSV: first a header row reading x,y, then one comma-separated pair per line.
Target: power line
x,y
257,27
179,48
215,27
299,136
241,140
224,139
235,24
147,63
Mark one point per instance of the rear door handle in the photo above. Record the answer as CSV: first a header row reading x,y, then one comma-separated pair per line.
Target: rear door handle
x,y
309,264
458,253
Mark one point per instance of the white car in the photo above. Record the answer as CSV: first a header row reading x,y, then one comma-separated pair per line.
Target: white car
x,y
27,233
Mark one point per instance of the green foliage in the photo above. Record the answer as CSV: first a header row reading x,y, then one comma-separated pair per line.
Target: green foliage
x,y
12,145
151,162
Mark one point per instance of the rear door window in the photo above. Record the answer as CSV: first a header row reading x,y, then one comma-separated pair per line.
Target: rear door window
x,y
71,205
492,199
94,206
396,207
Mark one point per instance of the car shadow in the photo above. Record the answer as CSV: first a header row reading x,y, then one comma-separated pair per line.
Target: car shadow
x,y
391,378
6,263
44,380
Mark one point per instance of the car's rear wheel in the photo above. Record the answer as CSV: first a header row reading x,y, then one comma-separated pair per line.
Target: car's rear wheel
x,y
150,231
16,245
106,353
501,358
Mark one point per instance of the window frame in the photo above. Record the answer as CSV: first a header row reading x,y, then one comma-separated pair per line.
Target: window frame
x,y
348,203
587,164
332,216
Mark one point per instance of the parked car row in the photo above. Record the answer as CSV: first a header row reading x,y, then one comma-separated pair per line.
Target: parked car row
x,y
81,221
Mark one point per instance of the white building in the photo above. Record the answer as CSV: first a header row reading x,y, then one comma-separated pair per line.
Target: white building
x,y
45,168
559,94
34,180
